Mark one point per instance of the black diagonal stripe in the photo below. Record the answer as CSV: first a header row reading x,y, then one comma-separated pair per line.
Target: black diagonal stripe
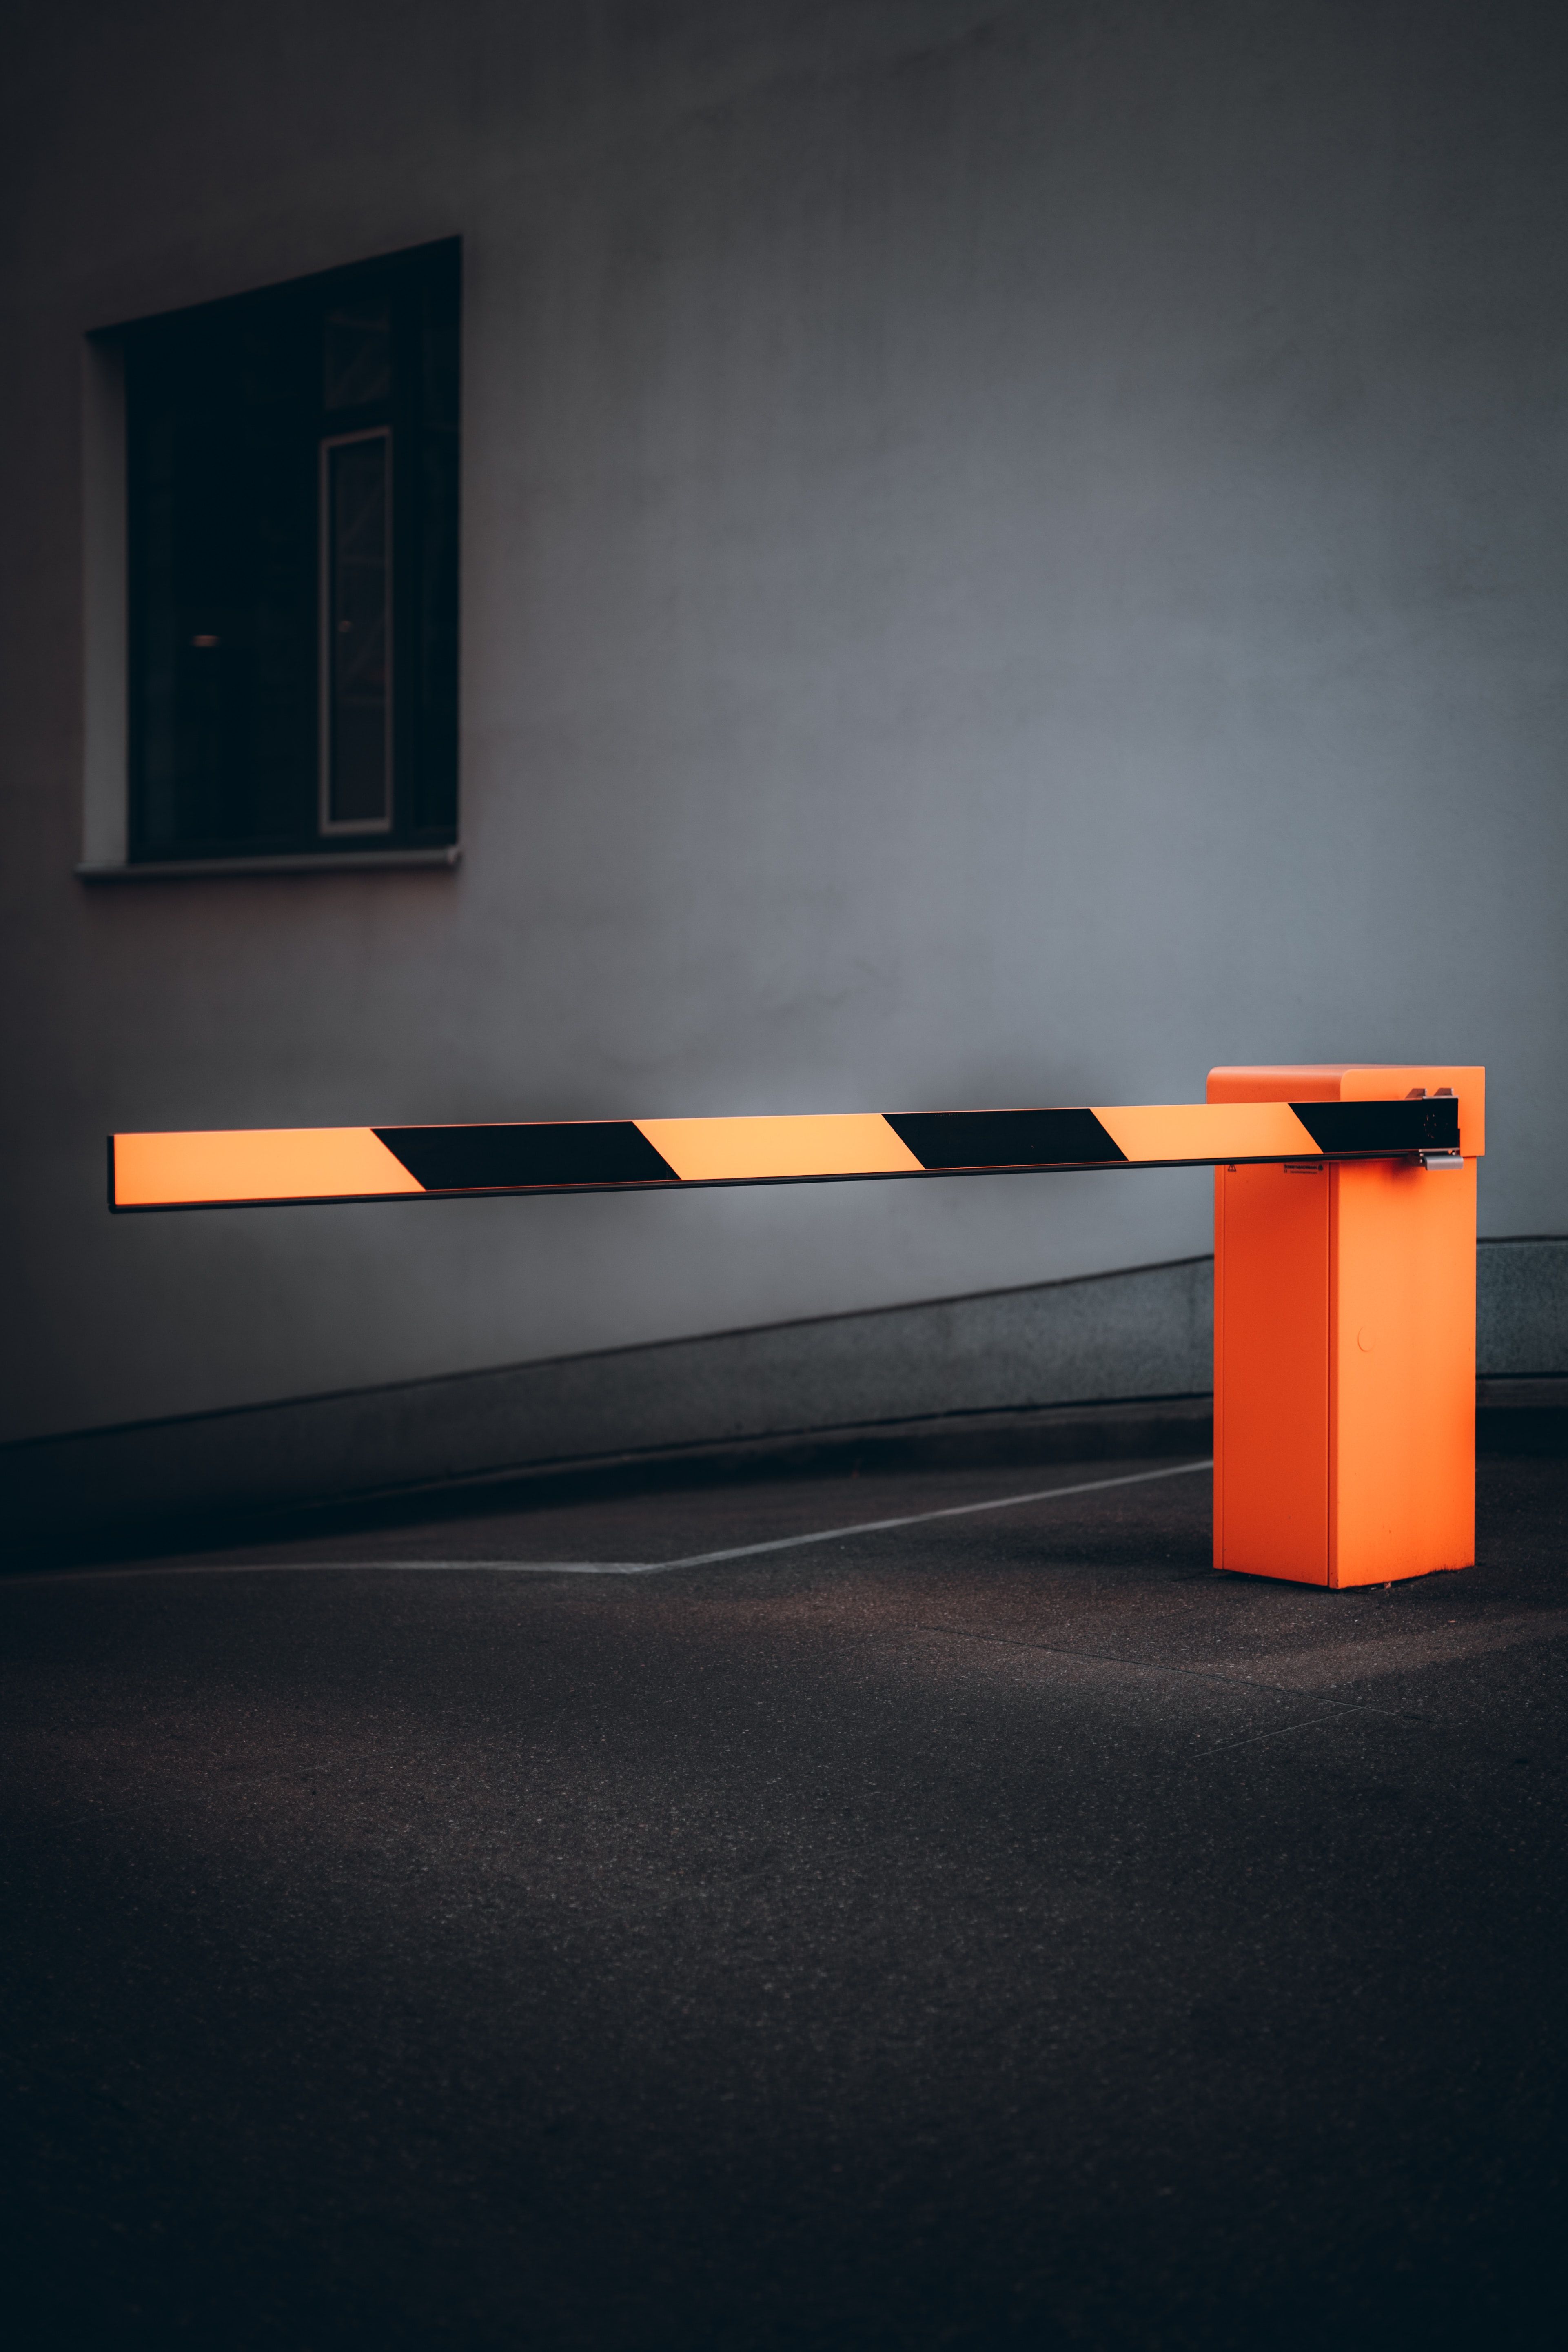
x,y
1428,1124
540,1156
1005,1138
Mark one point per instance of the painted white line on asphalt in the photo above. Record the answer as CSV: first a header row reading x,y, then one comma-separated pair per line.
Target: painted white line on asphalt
x,y
1301,1722
628,1566
952,1511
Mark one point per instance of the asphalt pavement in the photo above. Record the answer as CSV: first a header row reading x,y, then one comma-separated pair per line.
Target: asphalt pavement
x,y
991,1929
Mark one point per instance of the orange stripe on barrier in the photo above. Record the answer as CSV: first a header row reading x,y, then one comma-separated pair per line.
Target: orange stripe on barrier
x,y
1259,1131
732,1151
264,1163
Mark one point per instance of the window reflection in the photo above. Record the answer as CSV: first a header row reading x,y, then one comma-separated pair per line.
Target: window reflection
x,y
358,355
357,652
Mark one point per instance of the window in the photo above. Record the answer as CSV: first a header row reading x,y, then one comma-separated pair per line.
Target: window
x,y
292,567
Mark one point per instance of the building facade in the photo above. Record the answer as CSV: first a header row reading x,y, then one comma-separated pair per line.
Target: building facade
x,y
1005,553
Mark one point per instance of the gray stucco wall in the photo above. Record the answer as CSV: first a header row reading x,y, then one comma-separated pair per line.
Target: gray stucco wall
x,y
1522,1309
1011,553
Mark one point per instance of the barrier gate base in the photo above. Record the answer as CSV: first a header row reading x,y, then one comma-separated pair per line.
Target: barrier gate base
x,y
1345,1346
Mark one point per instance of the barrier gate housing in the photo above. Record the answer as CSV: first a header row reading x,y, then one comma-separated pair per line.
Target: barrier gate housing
x,y
1344,1259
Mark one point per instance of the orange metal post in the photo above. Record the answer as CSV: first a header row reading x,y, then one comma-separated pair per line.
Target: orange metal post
x,y
1345,1345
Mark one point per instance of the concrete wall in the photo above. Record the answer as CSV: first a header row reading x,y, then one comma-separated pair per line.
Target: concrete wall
x,y
1108,1364
1011,553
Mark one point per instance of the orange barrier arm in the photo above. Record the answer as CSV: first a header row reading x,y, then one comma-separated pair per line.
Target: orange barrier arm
x,y
261,1166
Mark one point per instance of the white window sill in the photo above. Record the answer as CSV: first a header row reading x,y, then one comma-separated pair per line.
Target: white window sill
x,y
329,861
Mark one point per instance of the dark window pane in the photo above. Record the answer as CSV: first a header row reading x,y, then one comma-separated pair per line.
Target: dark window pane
x,y
293,588
223,570
359,634
358,353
